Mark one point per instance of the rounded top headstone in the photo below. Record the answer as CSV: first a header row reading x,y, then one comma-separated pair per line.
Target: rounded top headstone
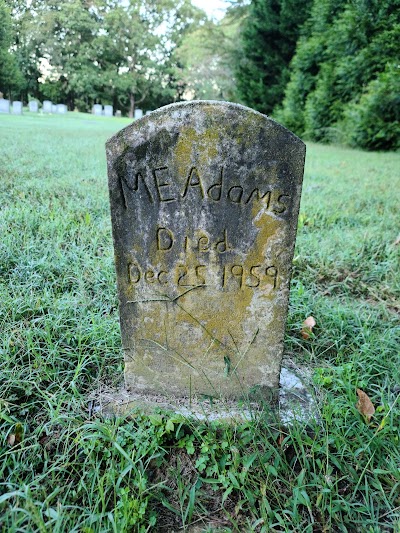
x,y
204,203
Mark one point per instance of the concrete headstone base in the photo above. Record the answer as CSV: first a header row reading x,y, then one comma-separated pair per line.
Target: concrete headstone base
x,y
296,402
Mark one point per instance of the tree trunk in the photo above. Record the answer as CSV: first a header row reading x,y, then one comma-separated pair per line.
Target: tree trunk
x,y
132,106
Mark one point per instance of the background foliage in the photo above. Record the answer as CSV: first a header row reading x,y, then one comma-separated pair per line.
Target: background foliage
x,y
327,69
107,51
269,35
346,55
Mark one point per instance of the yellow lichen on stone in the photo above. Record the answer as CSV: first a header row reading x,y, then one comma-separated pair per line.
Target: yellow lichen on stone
x,y
204,318
195,148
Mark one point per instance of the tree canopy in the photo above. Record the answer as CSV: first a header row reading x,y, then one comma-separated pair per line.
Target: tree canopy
x,y
206,60
11,77
269,36
347,57
87,51
327,69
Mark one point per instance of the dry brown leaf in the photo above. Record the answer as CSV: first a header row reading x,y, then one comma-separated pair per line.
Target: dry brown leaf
x,y
17,436
281,438
307,328
397,241
364,405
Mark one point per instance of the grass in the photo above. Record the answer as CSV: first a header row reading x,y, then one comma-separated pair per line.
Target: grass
x,y
64,469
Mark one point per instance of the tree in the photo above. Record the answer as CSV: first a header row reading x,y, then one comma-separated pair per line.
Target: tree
x,y
205,59
142,36
338,64
373,122
268,42
69,29
111,51
12,80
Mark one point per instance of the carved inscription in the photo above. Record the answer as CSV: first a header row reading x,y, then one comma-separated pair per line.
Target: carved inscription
x,y
202,243
158,185
229,277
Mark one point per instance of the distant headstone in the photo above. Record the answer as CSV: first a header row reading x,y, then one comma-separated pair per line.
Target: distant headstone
x,y
47,106
54,108
148,112
138,113
4,105
204,204
61,109
108,111
33,106
118,113
17,108
97,109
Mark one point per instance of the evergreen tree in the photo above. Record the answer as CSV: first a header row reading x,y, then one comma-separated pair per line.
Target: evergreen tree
x,y
268,39
338,63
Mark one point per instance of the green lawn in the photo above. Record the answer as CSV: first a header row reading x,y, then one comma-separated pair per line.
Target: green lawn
x,y
64,469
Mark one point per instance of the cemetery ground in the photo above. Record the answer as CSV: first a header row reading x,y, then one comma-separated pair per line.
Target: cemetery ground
x,y
65,468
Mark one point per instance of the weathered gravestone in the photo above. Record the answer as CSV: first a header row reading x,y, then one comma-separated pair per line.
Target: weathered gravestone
x,y
54,108
97,109
47,106
204,205
108,111
138,113
17,108
61,109
33,106
4,105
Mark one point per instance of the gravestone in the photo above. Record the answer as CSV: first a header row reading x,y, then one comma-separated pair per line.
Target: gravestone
x,y
108,111
33,106
148,112
47,106
118,113
138,113
4,105
61,109
54,108
204,204
97,109
17,108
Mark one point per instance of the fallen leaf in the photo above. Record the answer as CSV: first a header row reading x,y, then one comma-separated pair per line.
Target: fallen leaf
x,y
397,241
16,438
307,328
364,405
